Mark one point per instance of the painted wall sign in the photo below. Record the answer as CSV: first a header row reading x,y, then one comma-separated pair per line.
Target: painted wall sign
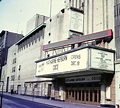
x,y
94,78
76,21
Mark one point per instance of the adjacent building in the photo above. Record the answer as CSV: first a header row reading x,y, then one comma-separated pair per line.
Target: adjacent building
x,y
19,72
35,21
117,44
7,39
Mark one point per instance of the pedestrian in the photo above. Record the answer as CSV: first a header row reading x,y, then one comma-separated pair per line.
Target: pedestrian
x,y
11,91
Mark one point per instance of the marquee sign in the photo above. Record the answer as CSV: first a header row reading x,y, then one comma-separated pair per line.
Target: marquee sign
x,y
93,78
102,60
77,61
64,63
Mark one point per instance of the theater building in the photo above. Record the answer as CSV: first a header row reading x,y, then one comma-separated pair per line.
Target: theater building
x,y
80,57
84,74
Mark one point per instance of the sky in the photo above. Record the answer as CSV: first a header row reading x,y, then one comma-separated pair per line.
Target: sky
x,y
14,14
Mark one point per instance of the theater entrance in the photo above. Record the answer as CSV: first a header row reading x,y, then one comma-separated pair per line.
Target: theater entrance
x,y
88,93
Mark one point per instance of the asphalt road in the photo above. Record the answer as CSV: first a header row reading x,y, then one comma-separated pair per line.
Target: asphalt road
x,y
11,102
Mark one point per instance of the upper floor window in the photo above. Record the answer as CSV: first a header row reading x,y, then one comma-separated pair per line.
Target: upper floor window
x,y
14,60
19,67
13,69
18,77
12,77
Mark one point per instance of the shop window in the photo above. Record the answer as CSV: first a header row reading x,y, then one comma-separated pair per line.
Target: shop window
x,y
108,92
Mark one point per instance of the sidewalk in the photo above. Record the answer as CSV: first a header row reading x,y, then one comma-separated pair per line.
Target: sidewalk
x,y
53,102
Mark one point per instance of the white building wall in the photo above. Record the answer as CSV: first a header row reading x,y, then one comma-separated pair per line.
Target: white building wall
x,y
26,58
57,27
12,54
35,21
25,67
99,16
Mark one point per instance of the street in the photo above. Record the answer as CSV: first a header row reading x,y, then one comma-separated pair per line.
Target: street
x,y
20,101
11,102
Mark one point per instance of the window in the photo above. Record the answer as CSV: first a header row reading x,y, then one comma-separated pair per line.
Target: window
x,y
18,77
19,67
48,55
26,43
13,69
32,37
39,34
12,77
49,34
14,60
49,42
108,92
12,87
35,37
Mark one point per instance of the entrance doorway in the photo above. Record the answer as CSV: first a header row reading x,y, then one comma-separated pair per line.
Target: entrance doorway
x,y
7,85
19,91
49,90
83,93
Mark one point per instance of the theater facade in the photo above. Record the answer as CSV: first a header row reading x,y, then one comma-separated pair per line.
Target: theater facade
x,y
83,75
